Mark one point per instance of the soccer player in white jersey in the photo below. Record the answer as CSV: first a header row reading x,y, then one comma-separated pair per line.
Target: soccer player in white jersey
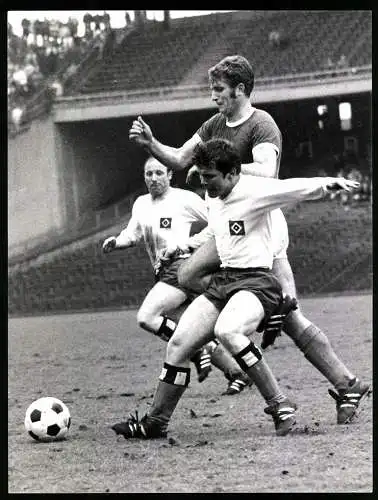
x,y
162,218
241,294
259,142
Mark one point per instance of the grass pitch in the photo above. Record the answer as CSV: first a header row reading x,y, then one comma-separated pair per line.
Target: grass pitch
x,y
103,367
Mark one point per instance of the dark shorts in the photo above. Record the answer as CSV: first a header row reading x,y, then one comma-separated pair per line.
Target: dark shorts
x,y
168,274
259,280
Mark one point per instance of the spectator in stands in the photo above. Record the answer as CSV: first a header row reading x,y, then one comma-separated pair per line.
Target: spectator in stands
x,y
99,42
87,19
106,21
50,28
97,28
25,23
274,38
329,64
109,43
17,116
72,26
366,185
342,62
21,81
57,88
70,71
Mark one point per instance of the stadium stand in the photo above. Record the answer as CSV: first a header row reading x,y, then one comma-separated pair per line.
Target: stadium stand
x,y
182,54
42,64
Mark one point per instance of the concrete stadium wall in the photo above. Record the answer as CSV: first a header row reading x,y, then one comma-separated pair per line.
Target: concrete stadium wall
x,y
34,202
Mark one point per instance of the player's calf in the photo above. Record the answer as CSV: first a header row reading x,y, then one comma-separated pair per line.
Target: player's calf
x,y
280,408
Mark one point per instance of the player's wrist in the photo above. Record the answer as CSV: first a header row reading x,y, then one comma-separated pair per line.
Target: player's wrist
x,y
151,145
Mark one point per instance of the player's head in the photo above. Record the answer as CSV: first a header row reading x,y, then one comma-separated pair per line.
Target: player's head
x,y
157,177
231,81
219,166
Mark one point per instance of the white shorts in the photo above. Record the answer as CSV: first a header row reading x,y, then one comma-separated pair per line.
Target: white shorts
x,y
280,234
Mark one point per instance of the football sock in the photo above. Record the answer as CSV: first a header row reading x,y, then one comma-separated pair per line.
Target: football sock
x,y
225,362
171,386
251,361
166,329
317,349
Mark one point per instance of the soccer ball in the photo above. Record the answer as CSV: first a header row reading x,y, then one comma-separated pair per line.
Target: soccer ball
x,y
47,419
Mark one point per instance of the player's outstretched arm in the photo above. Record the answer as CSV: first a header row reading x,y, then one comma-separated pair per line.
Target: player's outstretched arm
x,y
175,158
119,242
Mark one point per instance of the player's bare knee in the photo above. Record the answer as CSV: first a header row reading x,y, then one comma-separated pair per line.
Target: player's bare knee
x,y
224,335
177,350
175,343
144,319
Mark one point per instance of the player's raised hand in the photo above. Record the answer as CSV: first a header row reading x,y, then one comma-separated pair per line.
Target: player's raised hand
x,y
109,244
340,183
140,132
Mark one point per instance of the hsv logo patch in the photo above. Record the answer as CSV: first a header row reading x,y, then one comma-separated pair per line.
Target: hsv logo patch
x,y
166,222
236,227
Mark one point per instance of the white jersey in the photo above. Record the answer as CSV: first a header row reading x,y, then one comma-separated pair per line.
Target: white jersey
x,y
163,221
280,234
242,222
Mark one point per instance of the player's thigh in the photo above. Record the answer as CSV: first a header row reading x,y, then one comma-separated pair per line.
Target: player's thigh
x,y
241,315
195,328
283,272
160,299
205,260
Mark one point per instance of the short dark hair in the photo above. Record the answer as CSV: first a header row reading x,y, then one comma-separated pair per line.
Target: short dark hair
x,y
234,70
219,154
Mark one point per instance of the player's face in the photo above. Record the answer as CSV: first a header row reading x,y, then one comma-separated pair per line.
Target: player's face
x,y
215,183
224,97
157,178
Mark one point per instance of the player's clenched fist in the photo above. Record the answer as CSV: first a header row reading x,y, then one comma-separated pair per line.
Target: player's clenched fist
x,y
109,244
140,132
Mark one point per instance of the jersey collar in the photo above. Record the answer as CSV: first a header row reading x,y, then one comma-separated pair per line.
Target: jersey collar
x,y
241,120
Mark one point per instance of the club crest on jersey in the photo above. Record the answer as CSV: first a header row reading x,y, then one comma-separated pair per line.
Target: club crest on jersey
x,y
166,222
236,227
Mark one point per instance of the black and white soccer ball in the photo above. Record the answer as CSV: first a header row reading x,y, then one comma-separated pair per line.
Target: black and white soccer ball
x,y
47,419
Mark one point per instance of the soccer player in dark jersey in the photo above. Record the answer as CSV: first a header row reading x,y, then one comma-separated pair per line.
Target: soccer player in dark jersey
x,y
259,143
